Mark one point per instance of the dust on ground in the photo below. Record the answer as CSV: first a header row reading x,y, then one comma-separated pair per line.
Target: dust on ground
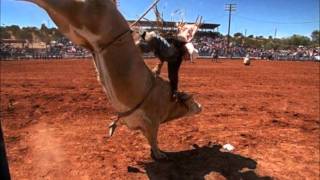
x,y
55,118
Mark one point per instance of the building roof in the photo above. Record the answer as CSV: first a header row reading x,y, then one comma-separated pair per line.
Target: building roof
x,y
171,24
13,41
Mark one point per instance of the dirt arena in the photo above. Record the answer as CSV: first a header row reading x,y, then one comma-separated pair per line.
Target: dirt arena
x,y
55,118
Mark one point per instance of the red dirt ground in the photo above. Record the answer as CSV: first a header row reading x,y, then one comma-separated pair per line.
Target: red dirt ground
x,y
55,118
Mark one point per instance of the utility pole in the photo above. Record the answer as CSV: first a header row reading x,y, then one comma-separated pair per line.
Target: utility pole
x,y
230,8
245,36
275,33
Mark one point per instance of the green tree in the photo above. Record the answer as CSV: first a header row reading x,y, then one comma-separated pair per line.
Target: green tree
x,y
315,36
269,45
217,34
44,29
259,37
55,34
238,34
25,34
14,29
251,36
4,34
298,40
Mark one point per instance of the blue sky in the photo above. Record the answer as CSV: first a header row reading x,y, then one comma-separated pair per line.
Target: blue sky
x,y
257,17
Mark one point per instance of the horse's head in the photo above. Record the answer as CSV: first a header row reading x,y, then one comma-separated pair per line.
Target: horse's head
x,y
187,108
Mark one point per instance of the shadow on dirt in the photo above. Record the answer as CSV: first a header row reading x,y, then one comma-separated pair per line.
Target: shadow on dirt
x,y
201,161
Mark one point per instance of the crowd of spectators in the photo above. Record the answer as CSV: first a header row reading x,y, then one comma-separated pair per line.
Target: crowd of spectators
x,y
62,48
208,46
7,51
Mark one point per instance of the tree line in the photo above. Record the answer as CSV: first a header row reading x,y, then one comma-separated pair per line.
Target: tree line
x,y
31,34
270,42
45,34
251,41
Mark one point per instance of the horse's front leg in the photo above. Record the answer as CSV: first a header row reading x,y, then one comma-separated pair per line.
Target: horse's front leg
x,y
150,131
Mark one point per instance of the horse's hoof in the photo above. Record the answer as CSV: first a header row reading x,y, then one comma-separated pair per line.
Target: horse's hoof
x,y
159,156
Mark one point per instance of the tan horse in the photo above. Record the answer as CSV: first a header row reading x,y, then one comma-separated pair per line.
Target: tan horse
x,y
143,101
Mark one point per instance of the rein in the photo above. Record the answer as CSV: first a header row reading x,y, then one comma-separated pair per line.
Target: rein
x,y
119,115
115,39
